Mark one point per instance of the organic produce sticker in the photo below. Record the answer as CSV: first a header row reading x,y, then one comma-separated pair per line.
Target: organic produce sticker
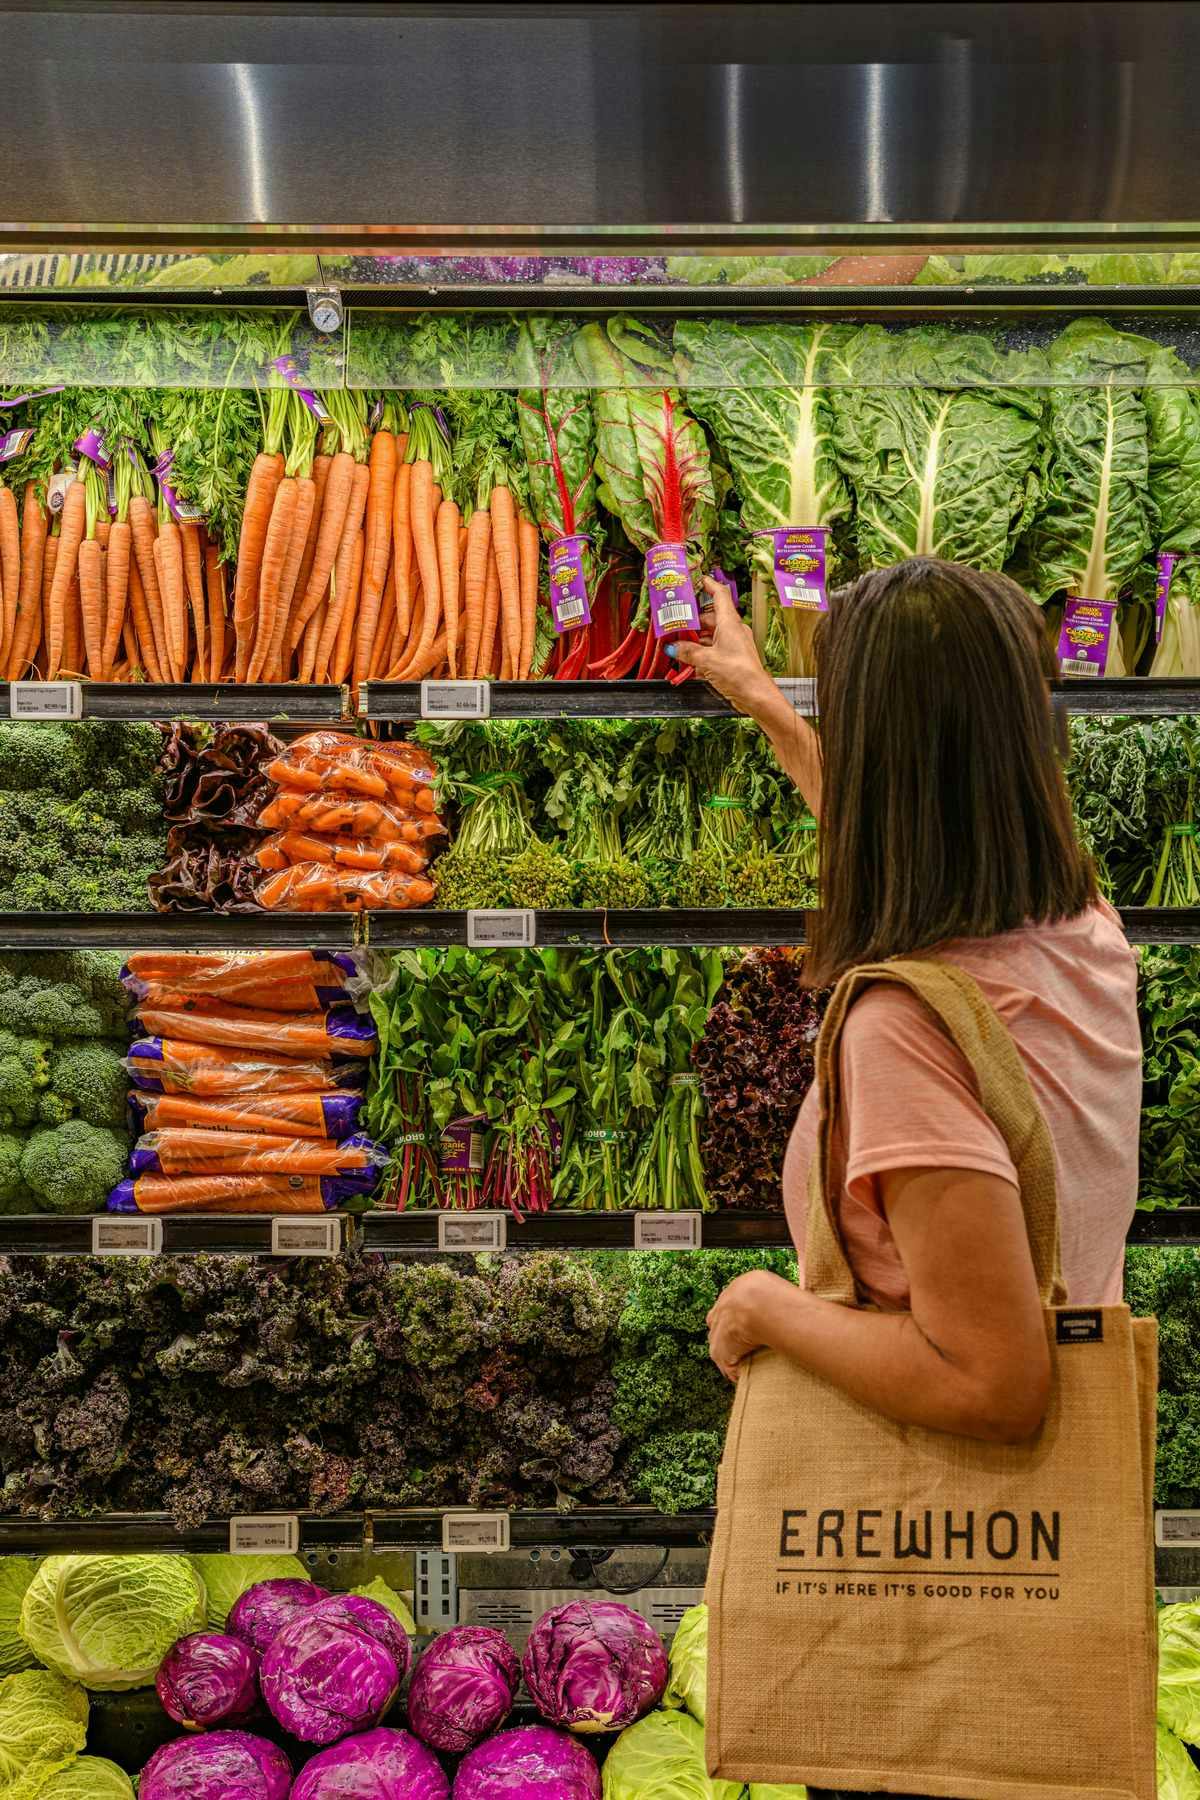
x,y
1166,568
461,1150
672,597
569,606
13,442
1083,641
799,565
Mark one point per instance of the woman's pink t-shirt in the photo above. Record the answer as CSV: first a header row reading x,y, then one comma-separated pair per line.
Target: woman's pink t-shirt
x,y
1068,994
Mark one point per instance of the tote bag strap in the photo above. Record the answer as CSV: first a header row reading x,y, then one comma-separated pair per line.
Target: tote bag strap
x,y
973,1024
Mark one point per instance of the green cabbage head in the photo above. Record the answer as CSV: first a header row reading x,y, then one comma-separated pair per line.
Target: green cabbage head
x,y
379,1591
43,1727
688,1683
226,1579
1179,1670
16,1573
662,1758
771,1790
1178,1776
108,1621
89,1778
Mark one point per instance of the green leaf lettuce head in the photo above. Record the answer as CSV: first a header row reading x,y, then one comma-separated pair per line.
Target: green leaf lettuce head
x,y
226,1579
16,1573
688,1683
663,1755
89,1778
43,1727
1178,1776
108,1621
1179,1670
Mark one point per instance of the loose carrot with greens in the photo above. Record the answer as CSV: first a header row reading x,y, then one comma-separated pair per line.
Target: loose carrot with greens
x,y
342,569
116,592
343,650
169,565
377,547
529,544
91,604
29,595
143,625
313,633
265,477
193,571
339,489
320,479
448,565
72,656
475,568
504,540
382,650
306,498
71,529
214,581
141,520
275,549
492,635
10,566
402,545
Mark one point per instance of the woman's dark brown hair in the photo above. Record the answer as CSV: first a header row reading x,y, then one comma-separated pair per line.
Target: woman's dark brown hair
x,y
944,809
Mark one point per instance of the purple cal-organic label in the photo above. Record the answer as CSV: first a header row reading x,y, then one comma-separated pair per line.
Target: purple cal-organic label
x,y
1166,569
144,1162
340,1112
344,1022
288,367
461,1148
554,1133
92,445
42,394
799,565
182,511
569,604
1083,642
13,442
672,597
122,1199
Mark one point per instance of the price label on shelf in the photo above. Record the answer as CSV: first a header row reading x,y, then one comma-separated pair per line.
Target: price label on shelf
x,y
513,928
802,693
45,700
1177,1529
265,1534
475,1232
456,699
485,1534
667,1230
291,1236
114,1235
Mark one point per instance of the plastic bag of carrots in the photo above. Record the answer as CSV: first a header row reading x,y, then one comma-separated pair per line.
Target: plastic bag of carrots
x,y
325,760
285,848
191,1150
248,1193
342,1032
332,1116
315,887
348,815
283,980
173,1066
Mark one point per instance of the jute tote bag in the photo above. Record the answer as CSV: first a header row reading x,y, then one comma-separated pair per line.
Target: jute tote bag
x,y
902,1610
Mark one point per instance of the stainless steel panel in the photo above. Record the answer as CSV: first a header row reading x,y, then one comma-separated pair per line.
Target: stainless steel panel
x,y
596,125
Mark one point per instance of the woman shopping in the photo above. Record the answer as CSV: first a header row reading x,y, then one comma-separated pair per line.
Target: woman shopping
x,y
953,882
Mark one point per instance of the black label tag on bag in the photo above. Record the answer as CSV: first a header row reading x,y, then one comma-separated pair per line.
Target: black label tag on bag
x,y
1079,1327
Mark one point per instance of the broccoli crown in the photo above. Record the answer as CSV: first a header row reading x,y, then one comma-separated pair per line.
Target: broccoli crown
x,y
24,1071
63,760
87,1081
82,855
76,994
72,1168
13,1196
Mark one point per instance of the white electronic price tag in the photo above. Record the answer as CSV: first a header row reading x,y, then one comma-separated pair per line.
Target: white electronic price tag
x,y
117,1235
267,1534
802,693
485,1534
1178,1530
45,700
474,1231
291,1236
456,699
510,928
667,1230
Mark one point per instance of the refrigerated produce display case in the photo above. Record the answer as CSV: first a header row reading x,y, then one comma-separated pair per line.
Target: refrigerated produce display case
x,y
354,825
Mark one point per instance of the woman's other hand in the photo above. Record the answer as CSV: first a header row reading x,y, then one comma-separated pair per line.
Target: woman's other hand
x,y
730,660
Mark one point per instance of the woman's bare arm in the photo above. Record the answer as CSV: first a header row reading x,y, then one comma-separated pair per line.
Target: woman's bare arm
x,y
731,663
970,1357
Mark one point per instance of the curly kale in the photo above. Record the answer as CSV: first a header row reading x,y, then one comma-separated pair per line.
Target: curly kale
x,y
676,1471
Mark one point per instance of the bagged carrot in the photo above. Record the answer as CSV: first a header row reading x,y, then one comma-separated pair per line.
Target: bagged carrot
x,y
333,759
186,1150
313,887
333,1115
168,1066
220,1023
288,980
255,1193
349,816
285,848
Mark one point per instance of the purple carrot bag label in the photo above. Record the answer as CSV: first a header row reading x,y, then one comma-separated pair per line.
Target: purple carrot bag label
x,y
93,446
289,369
672,597
799,565
569,604
1083,642
1162,590
182,511
13,442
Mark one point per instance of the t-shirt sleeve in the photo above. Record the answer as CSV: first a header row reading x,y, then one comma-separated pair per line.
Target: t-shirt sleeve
x,y
909,1098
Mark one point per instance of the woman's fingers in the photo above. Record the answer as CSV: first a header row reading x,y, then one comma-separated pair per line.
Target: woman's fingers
x,y
731,661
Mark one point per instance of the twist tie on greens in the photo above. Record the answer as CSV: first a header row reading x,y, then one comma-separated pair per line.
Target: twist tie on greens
x,y
414,1137
604,1135
726,801
1183,830
492,780
683,1081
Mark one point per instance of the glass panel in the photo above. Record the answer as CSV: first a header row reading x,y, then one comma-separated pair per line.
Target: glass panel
x,y
43,346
